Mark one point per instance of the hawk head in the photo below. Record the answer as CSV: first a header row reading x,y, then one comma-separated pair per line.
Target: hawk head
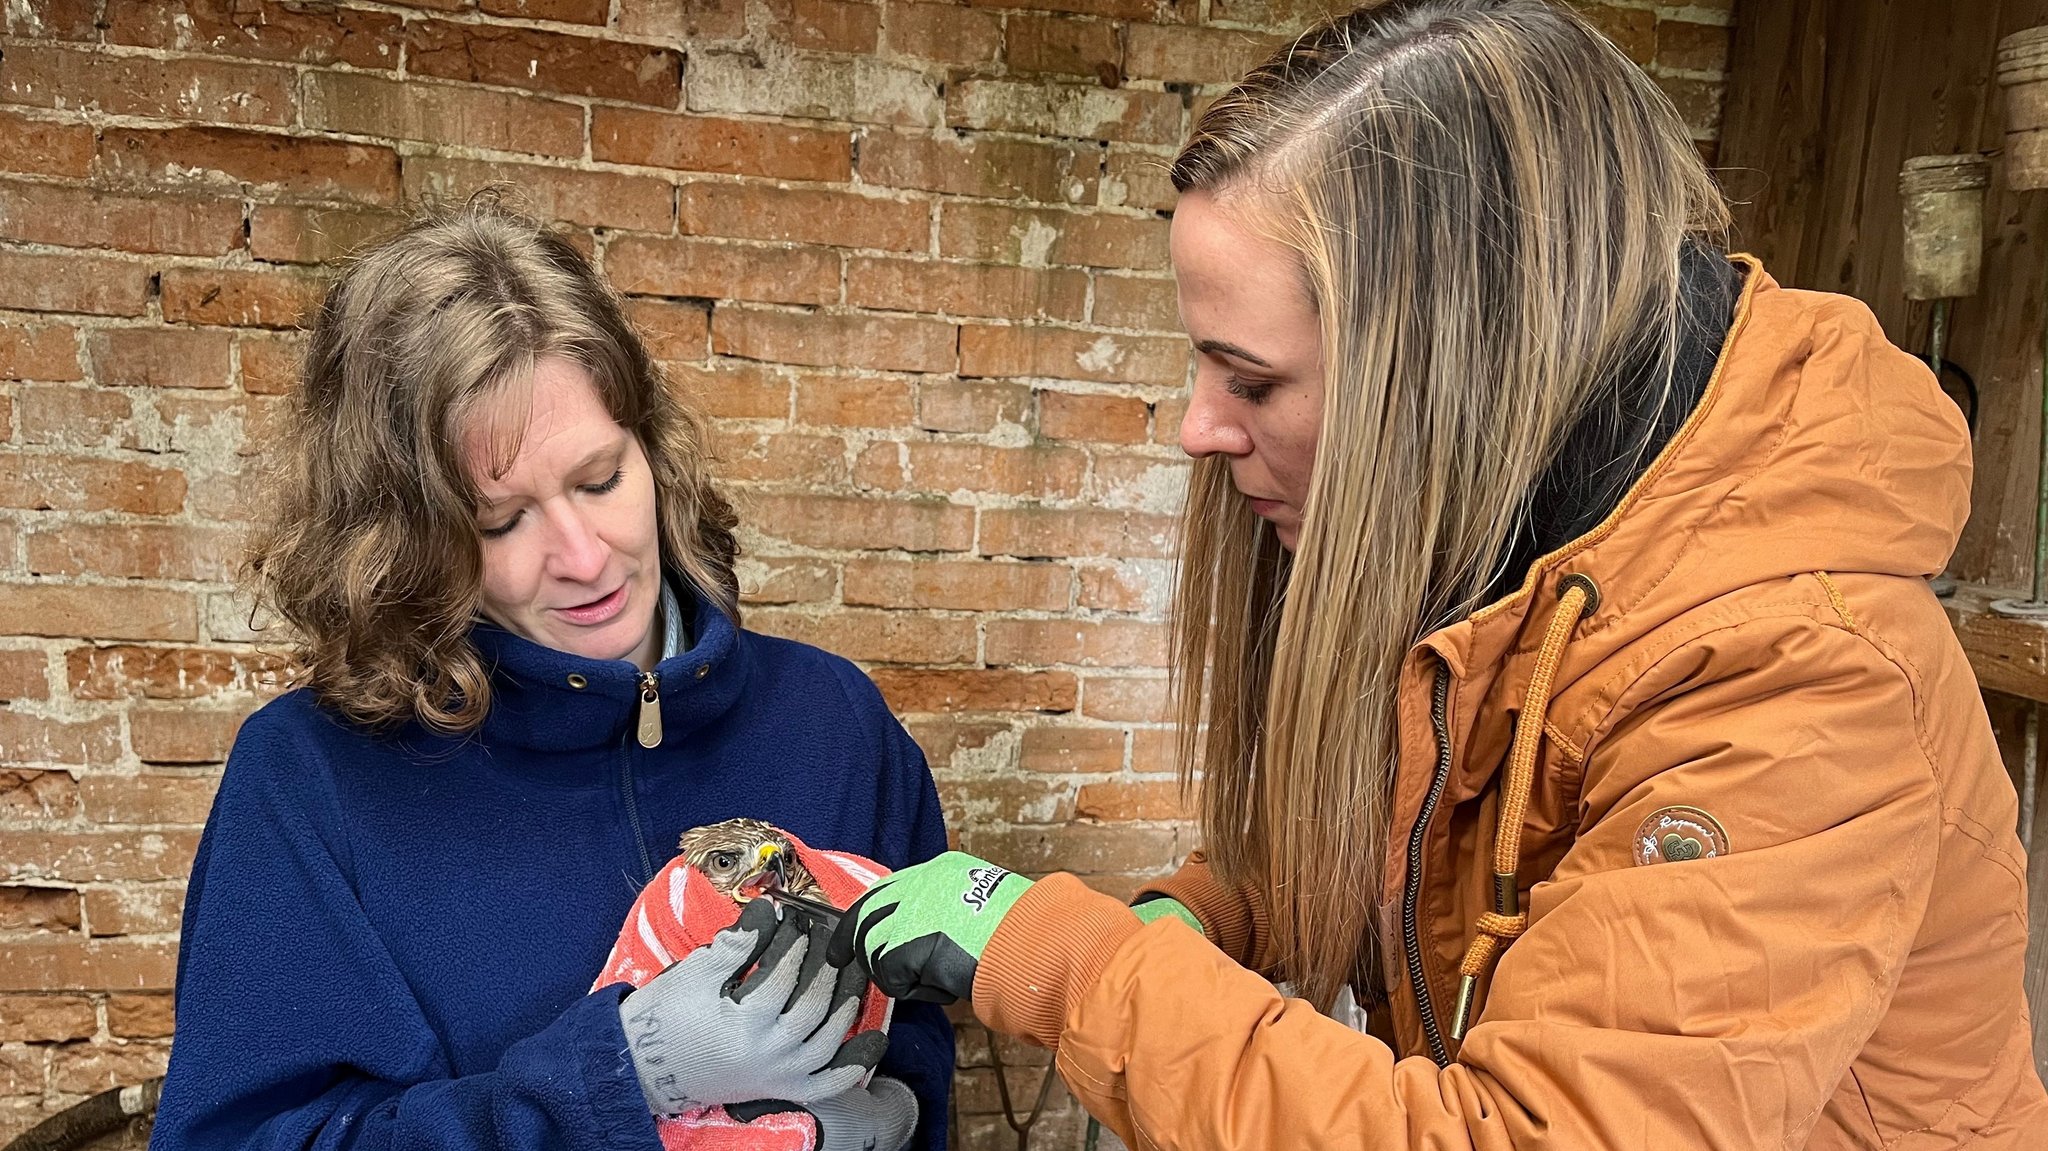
x,y
744,857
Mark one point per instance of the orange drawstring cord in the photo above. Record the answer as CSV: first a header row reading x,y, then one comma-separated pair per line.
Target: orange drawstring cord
x,y
1577,599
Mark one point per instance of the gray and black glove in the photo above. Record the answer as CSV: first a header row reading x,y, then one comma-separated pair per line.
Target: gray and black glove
x,y
879,1117
755,1014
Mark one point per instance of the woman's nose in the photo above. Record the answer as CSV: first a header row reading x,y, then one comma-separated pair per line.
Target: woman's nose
x,y
1212,425
579,552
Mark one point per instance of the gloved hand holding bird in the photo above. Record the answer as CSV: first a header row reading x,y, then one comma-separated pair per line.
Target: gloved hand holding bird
x,y
744,1038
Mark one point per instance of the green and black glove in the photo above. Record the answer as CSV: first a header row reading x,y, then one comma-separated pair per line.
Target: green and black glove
x,y
920,933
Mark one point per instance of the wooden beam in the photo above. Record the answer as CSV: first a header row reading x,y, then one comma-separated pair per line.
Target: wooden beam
x,y
2008,655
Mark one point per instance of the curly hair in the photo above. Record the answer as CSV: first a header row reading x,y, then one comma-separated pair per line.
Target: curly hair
x,y
371,551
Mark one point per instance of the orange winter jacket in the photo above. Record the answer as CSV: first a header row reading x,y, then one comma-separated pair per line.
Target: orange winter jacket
x,y
1766,887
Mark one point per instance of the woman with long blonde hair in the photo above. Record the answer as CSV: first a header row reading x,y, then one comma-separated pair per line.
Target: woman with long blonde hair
x,y
1555,661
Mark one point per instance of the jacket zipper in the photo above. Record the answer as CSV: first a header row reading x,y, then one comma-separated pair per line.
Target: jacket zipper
x,y
650,709
1411,935
649,737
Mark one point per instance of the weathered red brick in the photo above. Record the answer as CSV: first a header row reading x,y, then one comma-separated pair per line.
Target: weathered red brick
x,y
24,675
958,585
26,739
136,551
669,330
804,215
782,581
736,391
1038,472
946,32
1072,354
1162,11
43,795
973,165
184,734
97,612
160,357
1082,848
269,361
38,964
565,11
1120,801
694,22
23,907
134,909
260,29
814,86
717,144
1029,532
545,61
827,25
182,797
874,636
1633,30
140,1016
44,147
1141,180
285,233
271,164
1129,699
1194,55
853,522
46,76
1084,643
411,109
1039,236
966,289
1058,43
88,1068
1087,111
853,401
124,671
204,422
75,417
52,20
818,339
594,199
1144,303
236,297
82,484
947,690
708,269
1078,750
100,285
37,351
971,405
1005,800
781,457
46,1018
1102,418
1155,483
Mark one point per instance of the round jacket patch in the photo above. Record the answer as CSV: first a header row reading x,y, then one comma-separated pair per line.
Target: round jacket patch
x,y
1676,834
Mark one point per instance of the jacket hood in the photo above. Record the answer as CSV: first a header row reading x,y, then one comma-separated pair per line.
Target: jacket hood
x,y
1818,446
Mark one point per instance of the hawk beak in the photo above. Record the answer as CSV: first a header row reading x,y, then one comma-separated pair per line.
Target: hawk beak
x,y
771,872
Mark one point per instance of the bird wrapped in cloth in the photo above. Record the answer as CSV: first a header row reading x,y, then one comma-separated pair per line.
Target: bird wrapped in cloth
x,y
699,893
744,857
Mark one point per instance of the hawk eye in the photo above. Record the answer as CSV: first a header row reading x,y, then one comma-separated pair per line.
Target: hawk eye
x,y
725,860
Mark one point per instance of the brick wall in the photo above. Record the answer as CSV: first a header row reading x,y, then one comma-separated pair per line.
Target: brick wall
x,y
911,256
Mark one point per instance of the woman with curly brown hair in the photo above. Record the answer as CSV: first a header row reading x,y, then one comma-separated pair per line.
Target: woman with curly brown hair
x,y
510,582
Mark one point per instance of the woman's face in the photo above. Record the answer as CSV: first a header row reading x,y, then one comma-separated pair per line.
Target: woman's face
x,y
571,552
1258,395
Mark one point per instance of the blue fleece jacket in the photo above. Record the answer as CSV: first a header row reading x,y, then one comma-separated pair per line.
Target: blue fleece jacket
x,y
388,940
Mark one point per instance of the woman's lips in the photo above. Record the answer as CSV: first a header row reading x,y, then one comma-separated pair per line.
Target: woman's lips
x,y
596,611
1267,509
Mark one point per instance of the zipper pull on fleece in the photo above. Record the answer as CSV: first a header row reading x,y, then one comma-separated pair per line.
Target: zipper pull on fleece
x,y
650,709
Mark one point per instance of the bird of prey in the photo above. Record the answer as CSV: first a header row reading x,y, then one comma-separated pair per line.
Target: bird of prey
x,y
745,857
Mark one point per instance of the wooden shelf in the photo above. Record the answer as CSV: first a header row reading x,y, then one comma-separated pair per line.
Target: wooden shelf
x,y
2008,655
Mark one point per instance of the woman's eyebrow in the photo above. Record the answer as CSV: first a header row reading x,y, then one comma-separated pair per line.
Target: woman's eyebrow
x,y
1213,347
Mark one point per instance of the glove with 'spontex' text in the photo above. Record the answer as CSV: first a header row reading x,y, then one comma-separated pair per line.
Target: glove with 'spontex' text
x,y
920,933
